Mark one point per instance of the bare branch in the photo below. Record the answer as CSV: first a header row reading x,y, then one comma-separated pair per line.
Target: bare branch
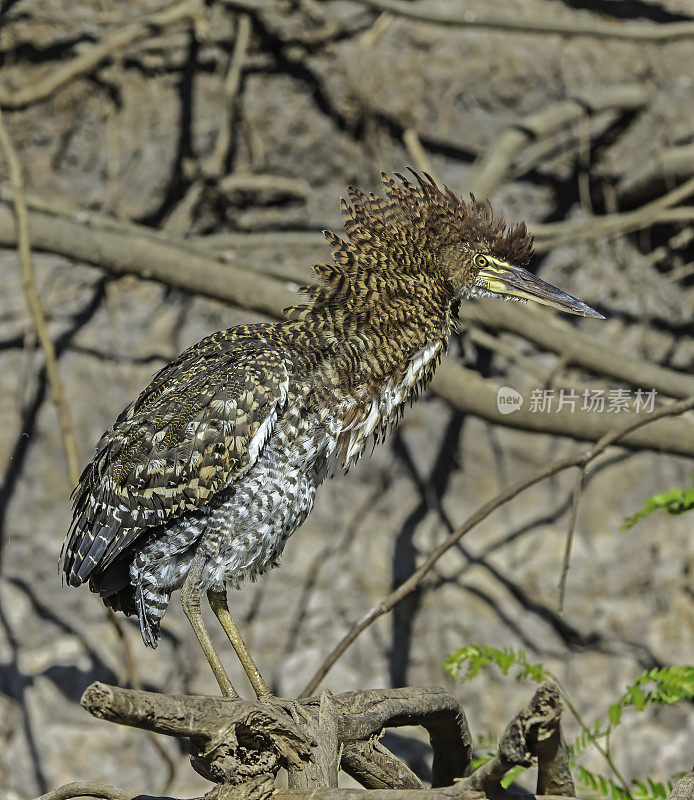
x,y
490,170
96,55
85,789
555,335
637,31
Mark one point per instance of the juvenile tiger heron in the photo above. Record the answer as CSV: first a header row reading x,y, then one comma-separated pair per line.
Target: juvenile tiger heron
x,y
202,479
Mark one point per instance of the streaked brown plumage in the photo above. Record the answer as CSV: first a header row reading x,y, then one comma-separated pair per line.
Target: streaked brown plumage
x,y
202,479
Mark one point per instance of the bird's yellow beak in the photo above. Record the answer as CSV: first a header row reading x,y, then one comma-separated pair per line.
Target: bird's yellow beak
x,y
510,281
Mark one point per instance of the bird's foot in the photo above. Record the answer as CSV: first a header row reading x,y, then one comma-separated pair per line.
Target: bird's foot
x,y
291,706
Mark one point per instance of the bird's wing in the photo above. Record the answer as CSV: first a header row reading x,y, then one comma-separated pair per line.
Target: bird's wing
x,y
196,428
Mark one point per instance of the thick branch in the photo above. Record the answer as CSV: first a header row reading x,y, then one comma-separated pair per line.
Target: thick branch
x,y
364,714
555,335
152,257
468,391
232,740
635,31
86,789
375,767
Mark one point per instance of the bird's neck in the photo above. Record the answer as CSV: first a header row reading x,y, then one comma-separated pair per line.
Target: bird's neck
x,y
367,365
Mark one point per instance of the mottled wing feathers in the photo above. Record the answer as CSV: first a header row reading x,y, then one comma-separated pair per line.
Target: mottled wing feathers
x,y
198,426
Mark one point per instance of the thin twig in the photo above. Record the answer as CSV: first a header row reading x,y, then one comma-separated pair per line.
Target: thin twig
x,y
180,218
636,31
581,459
31,294
55,382
566,563
417,152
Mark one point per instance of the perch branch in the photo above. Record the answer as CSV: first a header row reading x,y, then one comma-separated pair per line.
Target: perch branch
x,y
637,31
580,460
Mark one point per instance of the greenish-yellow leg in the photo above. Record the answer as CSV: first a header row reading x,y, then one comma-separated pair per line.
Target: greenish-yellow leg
x,y
218,602
190,600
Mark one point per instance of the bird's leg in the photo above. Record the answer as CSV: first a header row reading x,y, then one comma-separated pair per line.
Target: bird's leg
x,y
218,602
190,600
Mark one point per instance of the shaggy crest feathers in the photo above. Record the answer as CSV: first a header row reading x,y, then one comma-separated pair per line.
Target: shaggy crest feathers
x,y
395,244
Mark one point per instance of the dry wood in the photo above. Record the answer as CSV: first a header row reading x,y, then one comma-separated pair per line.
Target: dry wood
x,y
90,59
468,391
656,175
38,318
87,789
490,170
630,31
240,745
555,335
375,767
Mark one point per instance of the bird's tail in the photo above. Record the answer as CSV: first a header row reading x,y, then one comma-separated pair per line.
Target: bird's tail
x,y
123,587
151,605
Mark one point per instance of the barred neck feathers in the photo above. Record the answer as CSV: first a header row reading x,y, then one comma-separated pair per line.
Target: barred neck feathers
x,y
385,297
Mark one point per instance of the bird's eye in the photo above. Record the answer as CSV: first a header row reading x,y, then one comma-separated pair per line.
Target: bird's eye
x,y
481,261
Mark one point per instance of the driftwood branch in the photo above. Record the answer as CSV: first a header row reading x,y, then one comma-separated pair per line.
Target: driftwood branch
x,y
231,740
240,745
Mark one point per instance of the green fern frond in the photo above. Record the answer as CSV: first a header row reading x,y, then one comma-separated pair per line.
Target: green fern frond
x,y
660,686
477,657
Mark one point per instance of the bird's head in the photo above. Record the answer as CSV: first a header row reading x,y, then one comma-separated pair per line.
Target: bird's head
x,y
484,257
418,251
